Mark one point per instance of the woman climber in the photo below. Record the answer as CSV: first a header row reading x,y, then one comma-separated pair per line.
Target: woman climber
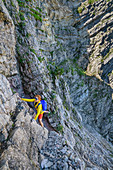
x,y
40,107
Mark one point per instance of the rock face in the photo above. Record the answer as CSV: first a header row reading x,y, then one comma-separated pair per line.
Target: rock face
x,y
98,20
8,65
55,48
24,141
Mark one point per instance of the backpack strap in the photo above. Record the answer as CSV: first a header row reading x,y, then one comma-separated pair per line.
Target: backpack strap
x,y
37,105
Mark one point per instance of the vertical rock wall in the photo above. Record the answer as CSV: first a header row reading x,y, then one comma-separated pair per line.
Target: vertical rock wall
x,y
8,64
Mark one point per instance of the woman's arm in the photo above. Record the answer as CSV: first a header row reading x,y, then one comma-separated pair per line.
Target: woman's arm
x,y
28,100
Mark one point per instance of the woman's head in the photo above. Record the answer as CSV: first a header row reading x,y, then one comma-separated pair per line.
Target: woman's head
x,y
38,97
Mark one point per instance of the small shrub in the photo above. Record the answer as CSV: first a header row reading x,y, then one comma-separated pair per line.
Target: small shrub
x,y
53,96
111,155
21,25
91,1
12,4
21,14
11,114
34,11
40,59
58,71
39,9
37,17
13,93
21,60
28,35
79,10
60,128
21,4
28,0
51,52
13,125
79,70
33,51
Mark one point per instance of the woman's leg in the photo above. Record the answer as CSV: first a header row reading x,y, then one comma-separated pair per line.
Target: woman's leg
x,y
40,119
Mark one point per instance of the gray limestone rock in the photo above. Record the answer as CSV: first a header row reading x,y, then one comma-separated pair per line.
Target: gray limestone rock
x,y
8,64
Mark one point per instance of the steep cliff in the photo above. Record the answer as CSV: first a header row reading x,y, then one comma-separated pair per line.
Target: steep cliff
x,y
61,50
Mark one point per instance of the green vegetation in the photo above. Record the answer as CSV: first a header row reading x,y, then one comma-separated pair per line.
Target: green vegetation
x,y
79,85
37,17
12,3
28,35
53,96
11,114
58,71
21,59
41,30
71,67
79,70
39,9
36,14
56,36
67,107
13,91
111,155
80,126
95,95
54,70
21,4
19,39
91,1
40,59
60,129
82,7
41,49
51,52
21,14
28,0
79,10
33,51
34,11
72,70
109,74
13,125
21,26
18,50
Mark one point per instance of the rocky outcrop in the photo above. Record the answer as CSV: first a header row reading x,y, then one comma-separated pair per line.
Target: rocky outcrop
x,y
84,153
47,52
98,20
8,64
24,141
8,67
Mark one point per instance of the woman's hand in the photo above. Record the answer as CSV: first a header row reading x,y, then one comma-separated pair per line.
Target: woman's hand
x,y
19,96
